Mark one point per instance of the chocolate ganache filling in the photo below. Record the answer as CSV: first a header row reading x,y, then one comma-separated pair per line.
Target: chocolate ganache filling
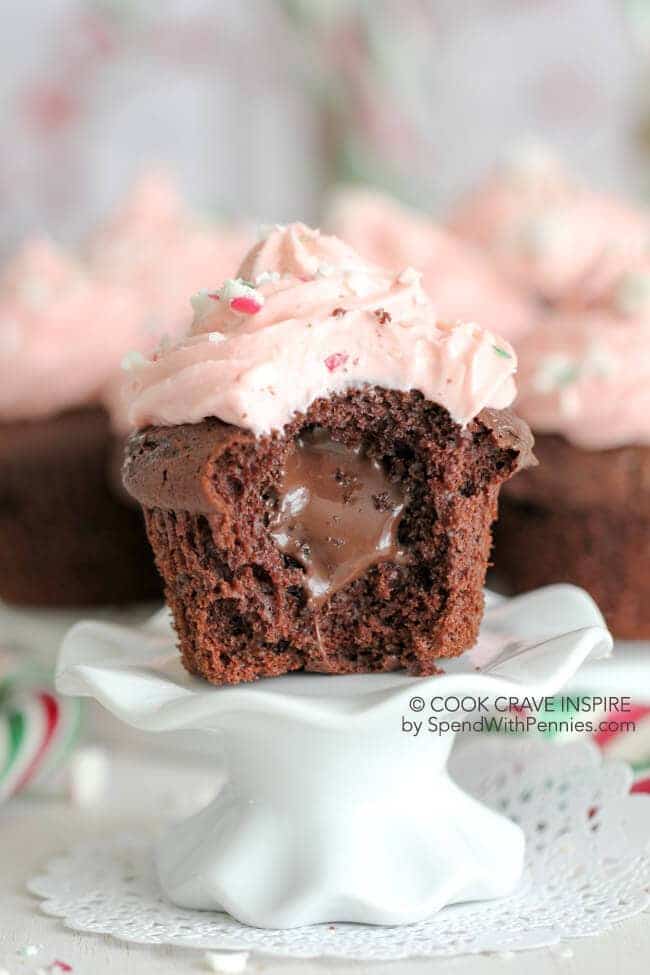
x,y
337,513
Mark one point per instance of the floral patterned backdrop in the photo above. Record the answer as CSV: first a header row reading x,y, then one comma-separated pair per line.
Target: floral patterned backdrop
x,y
261,104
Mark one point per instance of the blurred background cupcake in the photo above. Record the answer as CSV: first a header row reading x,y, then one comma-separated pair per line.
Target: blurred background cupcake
x,y
154,248
382,98
68,534
542,227
65,538
583,515
463,283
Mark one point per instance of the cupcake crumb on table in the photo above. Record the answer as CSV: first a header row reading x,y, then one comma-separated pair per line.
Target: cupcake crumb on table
x,y
319,468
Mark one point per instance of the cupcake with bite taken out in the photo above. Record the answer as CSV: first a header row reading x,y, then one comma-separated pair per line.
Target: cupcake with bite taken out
x,y
542,228
462,283
584,383
319,463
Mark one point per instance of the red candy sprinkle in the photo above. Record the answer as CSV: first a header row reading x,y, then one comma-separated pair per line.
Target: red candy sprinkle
x,y
335,360
214,295
245,305
61,965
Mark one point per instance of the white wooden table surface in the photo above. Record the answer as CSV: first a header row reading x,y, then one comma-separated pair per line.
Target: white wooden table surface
x,y
34,830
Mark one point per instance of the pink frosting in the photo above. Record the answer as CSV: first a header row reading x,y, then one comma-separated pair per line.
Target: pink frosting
x,y
543,229
586,373
61,334
310,319
153,247
462,283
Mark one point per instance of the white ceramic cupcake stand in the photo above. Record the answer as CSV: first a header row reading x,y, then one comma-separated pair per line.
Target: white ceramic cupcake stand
x,y
330,811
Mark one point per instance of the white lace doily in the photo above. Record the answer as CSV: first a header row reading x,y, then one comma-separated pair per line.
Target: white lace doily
x,y
588,866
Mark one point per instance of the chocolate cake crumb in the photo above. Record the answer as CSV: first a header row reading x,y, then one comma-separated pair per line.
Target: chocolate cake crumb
x,y
381,501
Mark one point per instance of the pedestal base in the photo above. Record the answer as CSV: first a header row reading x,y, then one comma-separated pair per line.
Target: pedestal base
x,y
316,830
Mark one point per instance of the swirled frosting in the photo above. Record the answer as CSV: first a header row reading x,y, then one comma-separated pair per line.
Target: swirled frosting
x,y
542,228
459,279
62,335
154,248
307,318
585,374
65,326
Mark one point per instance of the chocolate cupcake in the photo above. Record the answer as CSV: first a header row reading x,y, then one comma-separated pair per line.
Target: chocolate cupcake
x,y
583,516
69,533
66,538
319,464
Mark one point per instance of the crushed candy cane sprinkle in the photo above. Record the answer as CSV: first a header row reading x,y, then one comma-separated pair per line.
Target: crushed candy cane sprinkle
x,y
632,294
336,360
134,360
29,951
308,317
226,962
239,295
54,968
